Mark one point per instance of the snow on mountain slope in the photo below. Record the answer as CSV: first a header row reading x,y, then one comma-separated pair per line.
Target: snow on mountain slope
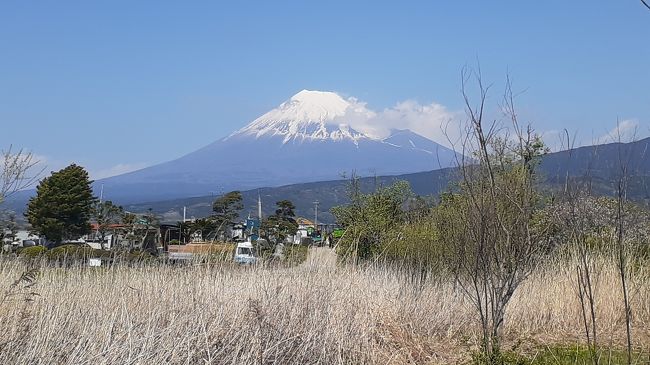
x,y
405,138
308,115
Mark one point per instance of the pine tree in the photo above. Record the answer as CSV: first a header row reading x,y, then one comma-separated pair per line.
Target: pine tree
x,y
63,205
282,224
226,210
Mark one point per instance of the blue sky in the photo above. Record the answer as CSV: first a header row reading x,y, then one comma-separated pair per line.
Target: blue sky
x,y
124,84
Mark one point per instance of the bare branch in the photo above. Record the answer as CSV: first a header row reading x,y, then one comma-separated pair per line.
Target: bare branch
x,y
644,2
15,172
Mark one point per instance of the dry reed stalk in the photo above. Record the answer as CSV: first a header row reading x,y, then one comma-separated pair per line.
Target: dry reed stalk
x,y
316,313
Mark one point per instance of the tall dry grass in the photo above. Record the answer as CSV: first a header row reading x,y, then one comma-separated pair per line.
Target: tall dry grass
x,y
317,313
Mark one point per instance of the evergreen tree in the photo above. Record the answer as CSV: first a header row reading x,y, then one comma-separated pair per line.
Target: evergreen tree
x,y
207,228
63,205
226,210
282,224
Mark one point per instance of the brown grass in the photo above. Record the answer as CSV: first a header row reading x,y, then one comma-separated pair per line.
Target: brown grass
x,y
203,248
316,313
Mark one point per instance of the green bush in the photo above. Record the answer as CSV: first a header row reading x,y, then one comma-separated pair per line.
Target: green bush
x,y
63,251
416,245
370,220
73,251
580,355
574,355
295,254
136,256
500,358
32,252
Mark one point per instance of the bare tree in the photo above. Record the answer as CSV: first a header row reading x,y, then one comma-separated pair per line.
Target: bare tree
x,y
622,221
106,214
15,172
585,218
489,225
577,218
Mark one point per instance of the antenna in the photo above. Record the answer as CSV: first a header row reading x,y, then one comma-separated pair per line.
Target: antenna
x,y
259,205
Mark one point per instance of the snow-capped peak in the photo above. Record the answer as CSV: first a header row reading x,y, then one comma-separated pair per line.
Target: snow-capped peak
x,y
308,115
316,105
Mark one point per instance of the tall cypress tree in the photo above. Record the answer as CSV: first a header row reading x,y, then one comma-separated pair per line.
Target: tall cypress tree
x,y
62,207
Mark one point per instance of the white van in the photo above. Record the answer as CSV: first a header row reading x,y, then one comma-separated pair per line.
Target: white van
x,y
245,253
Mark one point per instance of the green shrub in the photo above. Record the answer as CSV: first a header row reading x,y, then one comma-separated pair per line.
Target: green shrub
x,y
295,254
32,252
500,358
416,245
580,355
561,355
60,252
370,219
137,256
73,251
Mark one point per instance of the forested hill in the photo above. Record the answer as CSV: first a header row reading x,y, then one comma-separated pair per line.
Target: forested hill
x,y
600,164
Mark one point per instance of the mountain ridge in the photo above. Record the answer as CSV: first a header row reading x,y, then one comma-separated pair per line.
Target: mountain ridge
x,y
594,163
554,169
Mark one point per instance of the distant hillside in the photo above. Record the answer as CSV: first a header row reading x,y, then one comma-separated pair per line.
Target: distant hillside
x,y
602,166
328,194
598,164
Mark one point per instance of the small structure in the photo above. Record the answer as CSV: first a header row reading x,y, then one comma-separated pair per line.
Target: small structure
x,y
252,232
304,223
305,234
26,239
238,232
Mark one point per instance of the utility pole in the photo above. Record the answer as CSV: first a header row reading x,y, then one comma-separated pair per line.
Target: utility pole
x,y
316,214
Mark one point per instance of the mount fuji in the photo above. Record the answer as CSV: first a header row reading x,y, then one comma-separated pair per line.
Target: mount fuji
x,y
305,139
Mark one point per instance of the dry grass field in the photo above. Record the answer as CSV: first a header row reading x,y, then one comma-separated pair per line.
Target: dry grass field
x,y
315,313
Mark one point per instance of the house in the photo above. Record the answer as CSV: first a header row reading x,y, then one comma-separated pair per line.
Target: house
x,y
305,232
304,223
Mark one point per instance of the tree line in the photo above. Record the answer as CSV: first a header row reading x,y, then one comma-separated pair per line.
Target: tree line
x,y
65,206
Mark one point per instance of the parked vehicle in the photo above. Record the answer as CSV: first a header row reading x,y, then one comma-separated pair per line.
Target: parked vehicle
x,y
245,253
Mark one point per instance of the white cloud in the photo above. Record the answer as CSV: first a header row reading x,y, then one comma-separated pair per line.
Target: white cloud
x,y
118,169
625,131
44,165
433,120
